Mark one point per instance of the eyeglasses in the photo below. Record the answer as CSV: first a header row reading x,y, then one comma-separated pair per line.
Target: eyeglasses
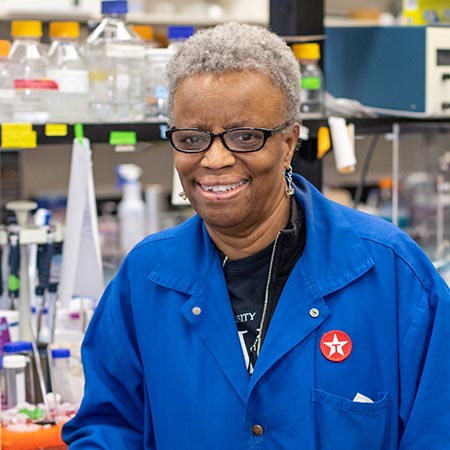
x,y
244,140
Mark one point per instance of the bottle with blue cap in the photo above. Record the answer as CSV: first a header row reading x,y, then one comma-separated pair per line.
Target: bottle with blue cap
x,y
60,374
177,35
115,56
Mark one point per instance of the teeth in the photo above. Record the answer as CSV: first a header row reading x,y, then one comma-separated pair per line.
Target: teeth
x,y
223,187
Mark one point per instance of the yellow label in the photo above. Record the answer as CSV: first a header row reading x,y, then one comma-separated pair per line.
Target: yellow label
x,y
56,129
18,135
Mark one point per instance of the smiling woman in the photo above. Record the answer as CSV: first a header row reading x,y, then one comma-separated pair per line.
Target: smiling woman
x,y
244,326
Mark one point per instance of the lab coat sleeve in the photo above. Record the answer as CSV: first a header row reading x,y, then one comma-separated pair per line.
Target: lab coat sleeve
x,y
425,372
111,414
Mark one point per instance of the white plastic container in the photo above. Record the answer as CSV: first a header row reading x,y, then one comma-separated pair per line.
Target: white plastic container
x,y
312,95
60,374
7,92
116,57
14,371
66,66
27,65
131,209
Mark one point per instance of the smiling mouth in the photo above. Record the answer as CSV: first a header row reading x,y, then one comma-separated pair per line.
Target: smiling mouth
x,y
223,187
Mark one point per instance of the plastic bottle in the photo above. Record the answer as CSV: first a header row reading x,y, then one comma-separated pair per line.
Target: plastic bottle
x,y
312,81
66,66
27,65
116,57
131,209
60,374
14,370
25,349
7,92
177,34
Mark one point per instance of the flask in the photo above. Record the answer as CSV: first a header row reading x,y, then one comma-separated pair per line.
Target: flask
x,y
6,84
14,370
66,66
312,81
116,57
177,34
27,65
131,209
60,374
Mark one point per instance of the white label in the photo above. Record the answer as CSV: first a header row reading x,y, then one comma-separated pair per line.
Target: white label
x,y
124,51
122,81
70,81
7,94
410,5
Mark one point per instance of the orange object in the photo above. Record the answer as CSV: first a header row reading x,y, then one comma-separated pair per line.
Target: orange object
x,y
38,437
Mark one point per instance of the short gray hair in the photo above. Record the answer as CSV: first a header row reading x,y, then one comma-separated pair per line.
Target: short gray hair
x,y
233,47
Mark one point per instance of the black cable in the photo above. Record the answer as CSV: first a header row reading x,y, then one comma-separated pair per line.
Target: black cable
x,y
365,169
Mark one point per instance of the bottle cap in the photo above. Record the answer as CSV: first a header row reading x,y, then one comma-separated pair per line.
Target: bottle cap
x,y
306,51
144,31
4,47
26,28
64,29
114,7
179,32
60,353
14,361
13,347
385,183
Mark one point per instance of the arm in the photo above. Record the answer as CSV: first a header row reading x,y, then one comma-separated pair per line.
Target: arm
x,y
425,372
111,414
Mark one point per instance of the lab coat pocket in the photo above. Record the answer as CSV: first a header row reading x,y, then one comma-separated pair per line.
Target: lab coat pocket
x,y
342,424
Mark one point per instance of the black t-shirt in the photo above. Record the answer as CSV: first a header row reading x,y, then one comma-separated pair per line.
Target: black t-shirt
x,y
247,280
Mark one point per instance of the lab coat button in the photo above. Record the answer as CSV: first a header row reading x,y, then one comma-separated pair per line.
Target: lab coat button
x,y
196,310
314,312
257,430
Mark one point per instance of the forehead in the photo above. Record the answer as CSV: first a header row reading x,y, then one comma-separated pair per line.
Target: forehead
x,y
241,96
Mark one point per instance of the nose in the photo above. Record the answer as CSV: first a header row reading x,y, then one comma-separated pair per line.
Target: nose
x,y
218,156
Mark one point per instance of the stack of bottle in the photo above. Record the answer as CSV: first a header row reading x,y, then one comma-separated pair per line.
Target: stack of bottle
x,y
116,75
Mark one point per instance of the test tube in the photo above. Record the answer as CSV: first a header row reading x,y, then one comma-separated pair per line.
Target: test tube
x,y
14,370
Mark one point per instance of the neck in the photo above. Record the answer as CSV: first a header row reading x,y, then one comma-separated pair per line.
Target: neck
x,y
237,245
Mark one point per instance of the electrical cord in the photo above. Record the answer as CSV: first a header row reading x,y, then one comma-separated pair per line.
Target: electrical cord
x,y
365,169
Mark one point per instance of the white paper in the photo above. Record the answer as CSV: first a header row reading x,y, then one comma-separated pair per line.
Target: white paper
x,y
82,271
360,398
343,144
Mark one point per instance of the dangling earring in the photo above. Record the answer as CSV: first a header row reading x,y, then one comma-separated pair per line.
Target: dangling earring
x,y
183,195
289,187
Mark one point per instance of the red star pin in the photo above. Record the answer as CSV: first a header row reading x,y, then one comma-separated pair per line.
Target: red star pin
x,y
336,345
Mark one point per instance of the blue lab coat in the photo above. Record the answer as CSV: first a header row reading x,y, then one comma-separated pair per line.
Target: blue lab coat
x,y
165,369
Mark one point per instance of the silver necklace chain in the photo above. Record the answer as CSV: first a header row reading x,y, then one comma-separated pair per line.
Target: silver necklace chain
x,y
256,347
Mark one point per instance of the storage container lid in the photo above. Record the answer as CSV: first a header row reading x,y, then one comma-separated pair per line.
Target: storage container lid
x,y
26,28
64,29
179,32
114,7
144,31
14,361
60,353
306,51
4,47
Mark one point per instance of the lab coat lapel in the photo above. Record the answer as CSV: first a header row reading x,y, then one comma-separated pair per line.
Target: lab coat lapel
x,y
191,265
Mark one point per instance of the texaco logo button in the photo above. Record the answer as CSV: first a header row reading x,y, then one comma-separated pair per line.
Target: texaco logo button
x,y
336,345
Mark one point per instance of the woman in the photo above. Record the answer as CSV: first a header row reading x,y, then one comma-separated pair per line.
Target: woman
x,y
274,318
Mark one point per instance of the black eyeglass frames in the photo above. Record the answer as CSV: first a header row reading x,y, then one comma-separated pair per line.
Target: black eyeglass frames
x,y
245,139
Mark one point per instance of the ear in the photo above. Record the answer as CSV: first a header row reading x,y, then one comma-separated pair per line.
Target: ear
x,y
291,140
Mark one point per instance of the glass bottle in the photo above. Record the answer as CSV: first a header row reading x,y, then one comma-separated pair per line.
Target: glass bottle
x,y
312,80
116,57
66,66
7,92
27,65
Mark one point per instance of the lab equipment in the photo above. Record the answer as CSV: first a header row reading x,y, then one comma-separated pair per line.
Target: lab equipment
x,y
371,63
14,371
7,92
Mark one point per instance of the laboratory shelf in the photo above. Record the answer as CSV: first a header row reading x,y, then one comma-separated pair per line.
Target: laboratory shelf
x,y
154,131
